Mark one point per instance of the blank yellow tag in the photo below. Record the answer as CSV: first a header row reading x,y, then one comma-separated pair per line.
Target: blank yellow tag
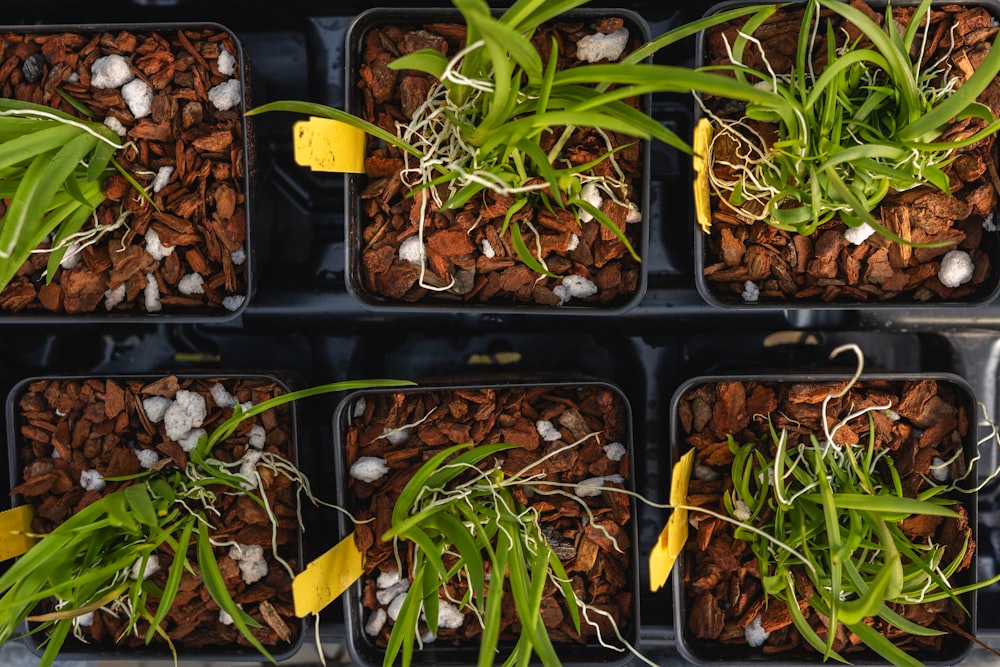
x,y
675,533
702,195
15,526
324,144
327,577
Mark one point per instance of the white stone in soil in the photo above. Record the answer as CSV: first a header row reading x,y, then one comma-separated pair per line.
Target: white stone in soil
x,y
989,222
155,248
151,294
155,407
238,256
71,257
226,95
488,249
858,235
614,451
750,292
574,243
395,606
233,303
741,511
956,268
112,297
257,436
449,616
85,620
225,618
595,485
250,558
592,195
192,283
162,177
572,286
152,567
633,215
226,62
389,579
138,97
599,46
704,472
359,407
397,436
411,250
147,457
547,430
116,126
939,471
92,480
248,468
369,468
376,622
221,396
186,413
190,440
387,595
110,72
755,633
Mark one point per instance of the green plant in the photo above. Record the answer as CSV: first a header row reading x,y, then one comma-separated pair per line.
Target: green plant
x,y
830,514
52,167
468,529
482,127
85,562
867,122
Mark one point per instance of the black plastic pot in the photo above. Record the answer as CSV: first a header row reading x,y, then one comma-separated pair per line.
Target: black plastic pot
x,y
75,649
716,653
355,183
245,147
716,296
362,647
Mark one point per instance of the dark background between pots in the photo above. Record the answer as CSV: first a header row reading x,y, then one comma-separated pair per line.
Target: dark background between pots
x,y
302,324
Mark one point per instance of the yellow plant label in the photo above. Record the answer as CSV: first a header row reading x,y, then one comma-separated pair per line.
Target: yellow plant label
x,y
15,532
324,144
327,577
675,533
702,195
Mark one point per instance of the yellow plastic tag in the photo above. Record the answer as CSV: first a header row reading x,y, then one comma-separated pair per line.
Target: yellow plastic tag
x,y
675,533
324,144
15,529
702,195
327,577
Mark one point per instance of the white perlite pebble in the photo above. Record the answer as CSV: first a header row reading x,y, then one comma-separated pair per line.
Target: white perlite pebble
x,y
113,297
248,469
192,283
238,256
596,47
956,268
360,407
574,286
186,413
226,62
989,222
755,633
110,72
152,567
225,618
156,249
233,303
574,243
222,398
858,235
387,595
257,436
388,579
147,457
91,480
139,97
547,430
190,441
376,622
250,558
151,294
411,250
397,436
741,511
449,616
162,177
488,249
704,472
591,195
155,407
750,292
226,95
369,468
395,606
939,471
892,415
633,215
595,485
614,451
116,126
72,256
85,620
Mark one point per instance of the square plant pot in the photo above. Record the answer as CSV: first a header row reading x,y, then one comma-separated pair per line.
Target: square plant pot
x,y
172,96
929,437
593,537
467,247
746,261
67,434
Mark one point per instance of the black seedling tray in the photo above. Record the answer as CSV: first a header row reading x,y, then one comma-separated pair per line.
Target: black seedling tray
x,y
302,323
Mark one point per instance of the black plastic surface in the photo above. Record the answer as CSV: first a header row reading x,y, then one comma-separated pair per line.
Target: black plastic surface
x,y
303,323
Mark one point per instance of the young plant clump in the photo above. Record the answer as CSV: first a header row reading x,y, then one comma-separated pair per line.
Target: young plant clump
x,y
873,123
855,493
166,512
515,550
510,165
